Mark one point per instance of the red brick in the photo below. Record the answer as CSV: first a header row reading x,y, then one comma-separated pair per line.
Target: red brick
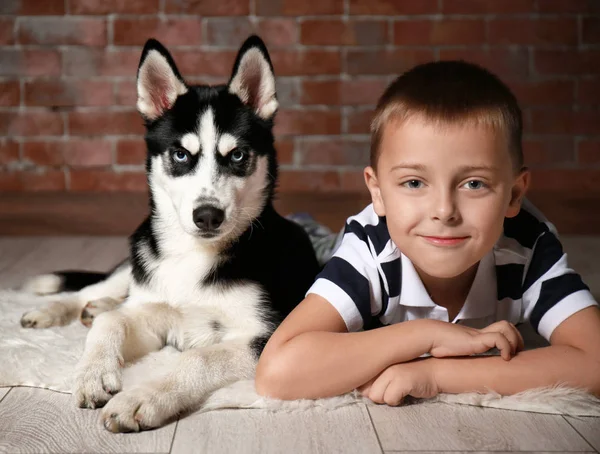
x,y
209,8
568,6
62,30
292,122
7,27
445,32
285,150
362,91
113,6
10,93
533,31
204,63
228,31
320,92
508,64
9,152
107,181
378,61
88,153
126,93
307,181
331,32
299,8
548,151
305,62
591,30
170,31
550,92
30,181
565,180
99,123
32,7
588,151
48,154
337,152
67,93
565,121
393,7
94,62
353,181
359,121
278,32
31,124
19,63
567,61
487,6
131,151
588,91
75,153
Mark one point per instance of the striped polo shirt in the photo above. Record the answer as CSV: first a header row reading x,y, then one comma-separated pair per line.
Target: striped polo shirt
x,y
525,277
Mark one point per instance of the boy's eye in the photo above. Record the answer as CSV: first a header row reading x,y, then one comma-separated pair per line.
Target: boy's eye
x,y
474,184
180,156
413,184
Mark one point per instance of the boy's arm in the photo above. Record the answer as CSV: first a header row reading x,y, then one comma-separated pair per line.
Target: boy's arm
x,y
572,359
311,355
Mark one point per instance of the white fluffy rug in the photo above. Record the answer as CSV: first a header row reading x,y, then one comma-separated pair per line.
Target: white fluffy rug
x,y
46,359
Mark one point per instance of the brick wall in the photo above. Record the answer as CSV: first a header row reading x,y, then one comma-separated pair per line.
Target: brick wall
x,y
67,68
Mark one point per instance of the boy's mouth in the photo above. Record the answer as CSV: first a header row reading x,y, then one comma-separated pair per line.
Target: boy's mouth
x,y
445,240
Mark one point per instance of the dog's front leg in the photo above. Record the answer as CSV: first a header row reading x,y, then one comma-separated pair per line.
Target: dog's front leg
x,y
198,373
115,337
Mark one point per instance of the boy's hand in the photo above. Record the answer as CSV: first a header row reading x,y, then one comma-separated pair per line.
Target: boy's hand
x,y
456,340
415,378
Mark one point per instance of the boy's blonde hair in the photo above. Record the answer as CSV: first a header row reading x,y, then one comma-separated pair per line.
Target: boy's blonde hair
x,y
446,93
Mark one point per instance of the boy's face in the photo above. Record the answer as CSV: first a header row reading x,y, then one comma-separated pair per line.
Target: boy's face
x,y
445,192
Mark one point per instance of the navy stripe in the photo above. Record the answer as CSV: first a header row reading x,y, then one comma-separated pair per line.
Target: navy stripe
x,y
552,292
358,230
393,275
525,228
385,298
546,253
378,234
508,280
346,277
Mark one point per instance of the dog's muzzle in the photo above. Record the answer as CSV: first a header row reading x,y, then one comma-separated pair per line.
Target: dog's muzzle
x,y
208,218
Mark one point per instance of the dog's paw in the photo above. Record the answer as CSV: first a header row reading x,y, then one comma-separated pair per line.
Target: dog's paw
x,y
38,319
97,307
139,409
97,382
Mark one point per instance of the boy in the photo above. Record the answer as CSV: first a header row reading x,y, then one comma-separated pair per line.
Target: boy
x,y
442,264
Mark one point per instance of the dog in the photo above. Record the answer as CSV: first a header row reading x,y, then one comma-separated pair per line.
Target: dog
x,y
212,270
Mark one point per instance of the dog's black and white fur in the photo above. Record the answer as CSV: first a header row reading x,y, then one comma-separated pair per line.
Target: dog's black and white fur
x,y
213,268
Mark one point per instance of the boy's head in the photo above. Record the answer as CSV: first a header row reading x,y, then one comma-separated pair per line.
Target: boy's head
x,y
446,164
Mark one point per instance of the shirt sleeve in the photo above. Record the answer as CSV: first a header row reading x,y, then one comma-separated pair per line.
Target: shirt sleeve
x,y
350,280
552,291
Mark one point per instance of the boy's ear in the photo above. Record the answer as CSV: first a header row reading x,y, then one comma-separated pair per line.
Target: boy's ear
x,y
375,190
158,81
518,191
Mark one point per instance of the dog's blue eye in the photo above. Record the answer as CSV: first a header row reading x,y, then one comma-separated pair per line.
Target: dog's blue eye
x,y
180,156
237,156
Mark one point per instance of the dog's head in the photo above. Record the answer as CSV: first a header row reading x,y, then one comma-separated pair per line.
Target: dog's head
x,y
211,161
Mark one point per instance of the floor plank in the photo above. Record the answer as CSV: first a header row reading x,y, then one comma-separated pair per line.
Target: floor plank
x,y
438,426
36,420
3,392
343,430
589,428
478,452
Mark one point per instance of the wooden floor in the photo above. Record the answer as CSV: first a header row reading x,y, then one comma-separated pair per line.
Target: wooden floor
x,y
36,420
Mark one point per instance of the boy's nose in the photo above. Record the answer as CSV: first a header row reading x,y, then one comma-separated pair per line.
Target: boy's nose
x,y
444,207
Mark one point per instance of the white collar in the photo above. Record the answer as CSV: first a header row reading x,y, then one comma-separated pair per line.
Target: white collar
x,y
482,297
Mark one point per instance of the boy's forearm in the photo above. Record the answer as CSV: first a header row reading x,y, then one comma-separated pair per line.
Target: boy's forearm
x,y
322,364
529,369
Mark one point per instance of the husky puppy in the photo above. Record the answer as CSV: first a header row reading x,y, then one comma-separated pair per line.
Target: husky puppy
x,y
213,269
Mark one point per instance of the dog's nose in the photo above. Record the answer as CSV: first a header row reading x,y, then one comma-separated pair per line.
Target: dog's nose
x,y
208,218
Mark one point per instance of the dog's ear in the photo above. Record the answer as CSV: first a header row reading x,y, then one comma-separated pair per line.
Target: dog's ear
x,y
253,80
158,81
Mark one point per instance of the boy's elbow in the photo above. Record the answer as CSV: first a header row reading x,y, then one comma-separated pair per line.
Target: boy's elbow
x,y
270,380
